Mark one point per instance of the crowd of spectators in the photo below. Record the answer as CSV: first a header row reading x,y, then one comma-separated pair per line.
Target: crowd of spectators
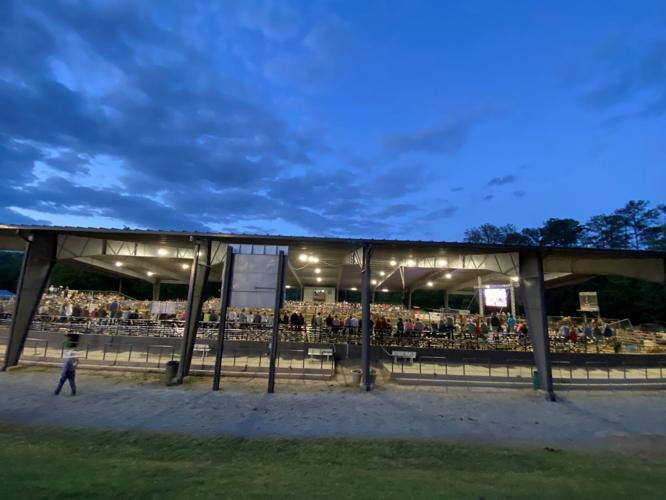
x,y
64,305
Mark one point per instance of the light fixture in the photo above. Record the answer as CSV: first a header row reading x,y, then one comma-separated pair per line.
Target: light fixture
x,y
317,271
288,286
162,252
411,263
393,262
382,273
430,283
384,289
318,279
303,257
119,264
185,266
353,289
515,278
313,259
448,276
150,273
374,282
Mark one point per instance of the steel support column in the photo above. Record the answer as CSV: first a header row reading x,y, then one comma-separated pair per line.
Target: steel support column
x,y
512,290
225,292
279,294
365,316
198,279
446,299
156,289
534,301
38,261
480,287
409,299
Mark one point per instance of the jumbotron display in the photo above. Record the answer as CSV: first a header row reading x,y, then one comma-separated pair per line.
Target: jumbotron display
x,y
495,297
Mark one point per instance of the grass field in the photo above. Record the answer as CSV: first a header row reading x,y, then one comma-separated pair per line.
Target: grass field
x,y
57,463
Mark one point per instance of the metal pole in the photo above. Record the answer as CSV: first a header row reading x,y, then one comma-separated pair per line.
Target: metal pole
x,y
183,368
480,283
512,291
224,303
279,294
365,316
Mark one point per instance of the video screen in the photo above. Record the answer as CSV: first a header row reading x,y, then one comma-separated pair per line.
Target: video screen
x,y
495,297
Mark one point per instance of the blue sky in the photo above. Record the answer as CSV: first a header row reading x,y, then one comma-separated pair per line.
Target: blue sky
x,y
392,119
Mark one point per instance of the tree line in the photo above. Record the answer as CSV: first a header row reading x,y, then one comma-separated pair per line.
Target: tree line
x,y
637,226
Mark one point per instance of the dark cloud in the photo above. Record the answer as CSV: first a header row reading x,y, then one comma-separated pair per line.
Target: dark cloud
x,y
444,138
502,180
632,82
443,213
126,110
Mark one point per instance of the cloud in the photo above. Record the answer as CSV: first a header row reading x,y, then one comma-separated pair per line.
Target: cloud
x,y
502,180
137,112
456,189
632,82
445,138
487,197
519,193
443,213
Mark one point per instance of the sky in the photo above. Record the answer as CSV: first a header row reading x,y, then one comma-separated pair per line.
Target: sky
x,y
378,119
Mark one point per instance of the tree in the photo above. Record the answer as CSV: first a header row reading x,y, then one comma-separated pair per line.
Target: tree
x,y
562,232
488,234
606,231
640,222
659,241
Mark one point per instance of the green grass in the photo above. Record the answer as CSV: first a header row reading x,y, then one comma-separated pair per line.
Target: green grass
x,y
58,463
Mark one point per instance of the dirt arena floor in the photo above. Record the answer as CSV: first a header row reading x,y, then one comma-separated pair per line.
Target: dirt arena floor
x,y
624,421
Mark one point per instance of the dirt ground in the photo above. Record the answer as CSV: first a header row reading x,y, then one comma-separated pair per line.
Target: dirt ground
x,y
623,421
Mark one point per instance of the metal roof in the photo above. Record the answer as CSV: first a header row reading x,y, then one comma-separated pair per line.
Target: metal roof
x,y
164,236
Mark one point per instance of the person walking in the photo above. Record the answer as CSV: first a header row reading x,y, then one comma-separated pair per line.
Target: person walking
x,y
68,373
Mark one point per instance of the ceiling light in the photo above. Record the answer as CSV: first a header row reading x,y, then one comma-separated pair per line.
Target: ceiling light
x,y
312,259
411,263
318,279
515,278
382,273
317,271
150,273
185,266
162,252
288,286
394,263
374,282
430,283
384,289
448,276
353,289
119,264
303,257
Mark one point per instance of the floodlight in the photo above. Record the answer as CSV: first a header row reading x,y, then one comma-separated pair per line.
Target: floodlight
x,y
162,252
119,264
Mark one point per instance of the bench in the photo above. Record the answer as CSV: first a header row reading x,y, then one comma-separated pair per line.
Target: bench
x,y
410,355
320,351
201,348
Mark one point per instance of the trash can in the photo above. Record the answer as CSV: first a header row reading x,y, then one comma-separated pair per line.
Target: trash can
x,y
71,341
356,376
536,382
171,369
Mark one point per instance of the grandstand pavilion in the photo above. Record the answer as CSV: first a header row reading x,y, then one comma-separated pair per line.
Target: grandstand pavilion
x,y
363,265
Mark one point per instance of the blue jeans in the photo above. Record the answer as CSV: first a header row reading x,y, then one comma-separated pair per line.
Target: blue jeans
x,y
67,376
